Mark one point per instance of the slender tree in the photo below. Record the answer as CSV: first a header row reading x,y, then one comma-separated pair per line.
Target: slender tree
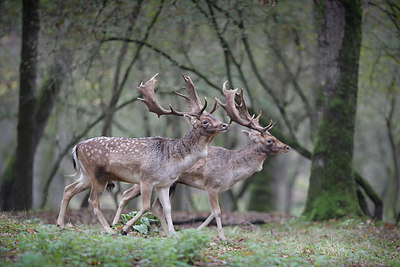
x,y
27,103
34,111
332,190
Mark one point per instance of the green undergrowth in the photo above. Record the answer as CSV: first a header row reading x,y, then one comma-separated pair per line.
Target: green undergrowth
x,y
31,243
300,243
143,225
290,243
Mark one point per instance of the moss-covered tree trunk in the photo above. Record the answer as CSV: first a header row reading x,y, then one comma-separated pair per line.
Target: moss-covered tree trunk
x,y
332,191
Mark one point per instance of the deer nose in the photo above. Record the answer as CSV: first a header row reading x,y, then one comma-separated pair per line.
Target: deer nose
x,y
287,148
225,126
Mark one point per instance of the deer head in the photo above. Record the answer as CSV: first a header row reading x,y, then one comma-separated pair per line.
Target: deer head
x,y
199,118
239,113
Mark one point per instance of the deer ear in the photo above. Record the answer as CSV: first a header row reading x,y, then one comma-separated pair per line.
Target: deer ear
x,y
250,135
246,133
190,119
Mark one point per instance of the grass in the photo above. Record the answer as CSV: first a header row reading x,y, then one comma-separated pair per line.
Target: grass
x,y
291,243
298,243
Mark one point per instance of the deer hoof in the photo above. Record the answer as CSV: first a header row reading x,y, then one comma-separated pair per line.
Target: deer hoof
x,y
123,232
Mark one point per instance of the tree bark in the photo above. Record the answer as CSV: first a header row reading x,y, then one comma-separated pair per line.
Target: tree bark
x,y
332,190
27,104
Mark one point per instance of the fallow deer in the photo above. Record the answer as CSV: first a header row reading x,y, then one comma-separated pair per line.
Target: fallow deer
x,y
150,162
223,168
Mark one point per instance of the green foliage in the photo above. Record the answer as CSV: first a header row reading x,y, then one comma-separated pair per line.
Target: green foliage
x,y
25,243
143,225
191,243
184,249
301,243
291,243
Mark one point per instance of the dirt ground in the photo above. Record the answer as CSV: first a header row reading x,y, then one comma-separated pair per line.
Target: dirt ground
x,y
182,219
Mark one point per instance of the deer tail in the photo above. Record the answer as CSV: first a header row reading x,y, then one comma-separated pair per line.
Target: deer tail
x,y
75,162
110,186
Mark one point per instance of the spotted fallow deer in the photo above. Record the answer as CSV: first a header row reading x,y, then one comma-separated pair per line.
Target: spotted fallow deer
x,y
223,168
149,162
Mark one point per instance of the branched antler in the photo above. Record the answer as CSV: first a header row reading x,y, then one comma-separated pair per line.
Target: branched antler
x,y
147,89
193,99
151,102
239,113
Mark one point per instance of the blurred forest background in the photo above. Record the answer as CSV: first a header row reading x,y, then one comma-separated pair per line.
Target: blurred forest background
x,y
91,56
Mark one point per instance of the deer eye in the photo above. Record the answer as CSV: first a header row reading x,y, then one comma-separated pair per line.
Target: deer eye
x,y
270,141
205,122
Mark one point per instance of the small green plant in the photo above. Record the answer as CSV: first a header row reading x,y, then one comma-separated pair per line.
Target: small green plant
x,y
143,225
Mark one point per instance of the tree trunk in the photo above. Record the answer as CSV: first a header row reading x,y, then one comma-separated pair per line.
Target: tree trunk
x,y
27,104
394,177
332,191
7,185
43,106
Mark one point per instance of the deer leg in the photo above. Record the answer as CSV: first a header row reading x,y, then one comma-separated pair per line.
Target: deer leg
x,y
145,190
94,201
213,196
206,222
163,196
71,190
127,196
157,208
212,215
215,213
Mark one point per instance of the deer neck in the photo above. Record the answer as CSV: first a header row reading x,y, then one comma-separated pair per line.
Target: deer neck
x,y
252,157
182,153
194,143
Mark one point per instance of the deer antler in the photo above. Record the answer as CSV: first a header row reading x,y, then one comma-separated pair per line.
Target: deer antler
x,y
193,99
239,113
151,102
196,108
230,106
243,111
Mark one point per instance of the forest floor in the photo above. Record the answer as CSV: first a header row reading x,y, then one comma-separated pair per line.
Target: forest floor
x,y
32,239
182,219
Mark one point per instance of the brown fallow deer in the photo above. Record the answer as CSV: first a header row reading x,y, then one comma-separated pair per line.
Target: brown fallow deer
x,y
149,162
223,168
